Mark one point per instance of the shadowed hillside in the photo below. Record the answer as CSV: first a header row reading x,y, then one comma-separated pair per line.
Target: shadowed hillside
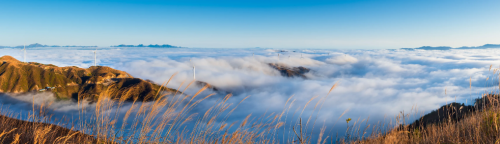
x,y
290,71
454,112
19,131
452,123
73,82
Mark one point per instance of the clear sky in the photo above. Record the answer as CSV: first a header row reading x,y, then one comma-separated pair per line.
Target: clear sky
x,y
341,24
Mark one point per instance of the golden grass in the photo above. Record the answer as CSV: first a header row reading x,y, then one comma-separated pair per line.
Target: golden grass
x,y
477,127
166,119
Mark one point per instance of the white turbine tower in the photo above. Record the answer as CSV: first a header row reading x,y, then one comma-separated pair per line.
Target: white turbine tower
x,y
194,70
278,56
95,57
24,53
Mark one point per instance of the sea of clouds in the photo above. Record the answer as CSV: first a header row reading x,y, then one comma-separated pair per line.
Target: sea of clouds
x,y
372,84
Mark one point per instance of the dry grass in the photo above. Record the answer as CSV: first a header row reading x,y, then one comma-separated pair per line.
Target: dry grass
x,y
166,119
481,126
163,120
455,123
17,131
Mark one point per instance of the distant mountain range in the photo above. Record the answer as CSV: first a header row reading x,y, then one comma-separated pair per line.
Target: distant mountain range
x,y
122,45
486,46
41,45
151,46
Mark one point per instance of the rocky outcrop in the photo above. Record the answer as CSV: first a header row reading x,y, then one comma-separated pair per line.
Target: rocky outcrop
x,y
211,87
287,71
75,82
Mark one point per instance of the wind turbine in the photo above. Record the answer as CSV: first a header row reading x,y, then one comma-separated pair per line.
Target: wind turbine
x,y
278,56
95,57
24,53
194,70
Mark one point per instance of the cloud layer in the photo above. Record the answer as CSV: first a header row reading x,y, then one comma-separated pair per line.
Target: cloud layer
x,y
370,83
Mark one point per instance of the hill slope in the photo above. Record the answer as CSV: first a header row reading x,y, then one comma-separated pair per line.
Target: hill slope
x,y
73,82
33,132
452,123
291,72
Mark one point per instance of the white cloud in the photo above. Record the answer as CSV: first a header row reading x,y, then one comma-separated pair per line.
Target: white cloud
x,y
371,82
341,59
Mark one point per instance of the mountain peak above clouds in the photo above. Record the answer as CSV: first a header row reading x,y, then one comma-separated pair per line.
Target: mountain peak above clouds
x,y
486,46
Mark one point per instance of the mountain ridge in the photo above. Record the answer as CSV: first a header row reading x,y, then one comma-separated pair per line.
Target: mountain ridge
x,y
73,82
485,46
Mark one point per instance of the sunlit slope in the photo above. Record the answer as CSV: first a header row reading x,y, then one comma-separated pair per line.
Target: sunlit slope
x,y
67,82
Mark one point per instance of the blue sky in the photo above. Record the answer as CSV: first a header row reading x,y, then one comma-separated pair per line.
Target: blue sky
x,y
257,23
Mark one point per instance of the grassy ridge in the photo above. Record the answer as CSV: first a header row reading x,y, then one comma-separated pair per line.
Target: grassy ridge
x,y
20,132
72,82
456,123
